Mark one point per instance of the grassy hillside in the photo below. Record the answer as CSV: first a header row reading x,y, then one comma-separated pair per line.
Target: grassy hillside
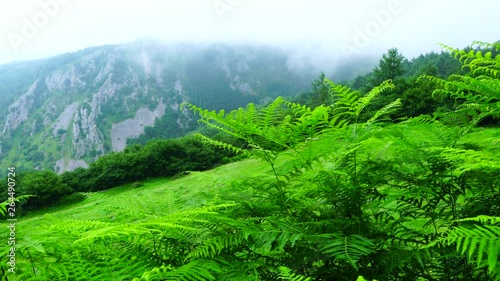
x,y
163,196
156,197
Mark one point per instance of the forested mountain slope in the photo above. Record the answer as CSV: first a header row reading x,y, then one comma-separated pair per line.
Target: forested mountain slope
x,y
64,112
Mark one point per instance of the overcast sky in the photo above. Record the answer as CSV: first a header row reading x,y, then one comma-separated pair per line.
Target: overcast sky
x,y
33,29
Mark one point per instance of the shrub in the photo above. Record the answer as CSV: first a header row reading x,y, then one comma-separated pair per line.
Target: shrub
x,y
46,186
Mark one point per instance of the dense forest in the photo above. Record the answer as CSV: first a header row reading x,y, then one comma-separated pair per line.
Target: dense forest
x,y
392,176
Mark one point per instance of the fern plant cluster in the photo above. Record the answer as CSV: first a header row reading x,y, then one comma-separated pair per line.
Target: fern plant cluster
x,y
342,199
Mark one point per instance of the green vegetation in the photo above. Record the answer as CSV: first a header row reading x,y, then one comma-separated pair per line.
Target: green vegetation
x,y
158,158
338,191
46,188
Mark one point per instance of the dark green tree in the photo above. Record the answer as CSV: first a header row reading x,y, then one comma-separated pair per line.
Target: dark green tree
x,y
45,186
318,95
390,66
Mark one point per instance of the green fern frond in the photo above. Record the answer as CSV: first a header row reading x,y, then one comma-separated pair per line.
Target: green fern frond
x,y
227,146
244,269
364,101
268,127
345,99
272,113
479,88
480,242
349,104
111,233
195,270
483,219
287,274
213,246
349,248
494,45
154,273
468,160
386,110
310,122
4,205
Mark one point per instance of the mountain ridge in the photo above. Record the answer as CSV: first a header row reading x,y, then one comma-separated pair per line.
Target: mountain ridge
x,y
66,111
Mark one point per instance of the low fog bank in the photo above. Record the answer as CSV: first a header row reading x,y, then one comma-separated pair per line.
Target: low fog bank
x,y
310,58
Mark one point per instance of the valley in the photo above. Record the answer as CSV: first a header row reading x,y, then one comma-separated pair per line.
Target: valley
x,y
392,175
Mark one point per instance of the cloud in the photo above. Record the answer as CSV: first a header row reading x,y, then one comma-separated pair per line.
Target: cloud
x,y
313,26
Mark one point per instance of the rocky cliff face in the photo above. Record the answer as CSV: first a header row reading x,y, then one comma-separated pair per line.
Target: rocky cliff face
x,y
19,111
83,105
133,127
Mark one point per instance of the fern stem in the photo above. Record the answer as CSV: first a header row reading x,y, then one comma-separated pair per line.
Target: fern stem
x,y
32,263
432,215
278,184
307,162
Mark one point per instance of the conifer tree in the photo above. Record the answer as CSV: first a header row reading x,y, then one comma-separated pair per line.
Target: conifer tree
x,y
390,66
